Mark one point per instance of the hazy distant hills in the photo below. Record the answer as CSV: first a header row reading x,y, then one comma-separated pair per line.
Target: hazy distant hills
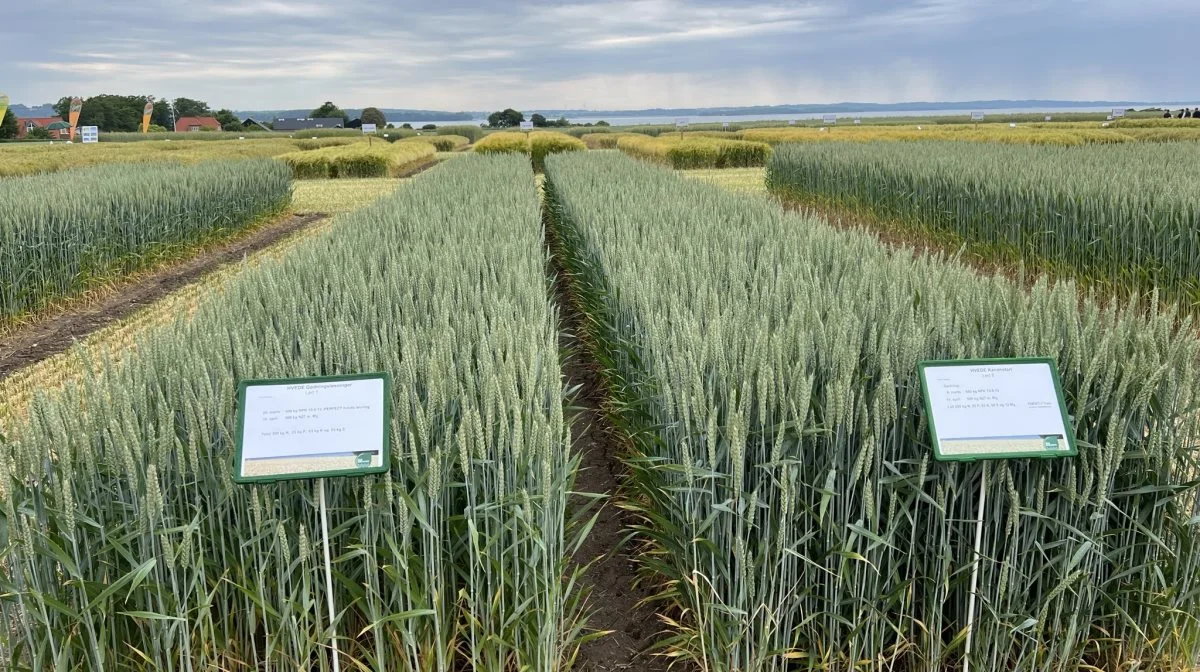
x,y
399,115
392,114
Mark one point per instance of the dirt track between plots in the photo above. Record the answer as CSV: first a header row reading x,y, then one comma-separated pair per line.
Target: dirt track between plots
x,y
616,599
52,334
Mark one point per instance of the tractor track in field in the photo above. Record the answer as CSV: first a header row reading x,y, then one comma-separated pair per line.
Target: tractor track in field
x,y
617,601
51,334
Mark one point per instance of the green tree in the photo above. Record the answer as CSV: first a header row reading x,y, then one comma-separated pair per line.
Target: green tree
x,y
63,107
228,121
507,118
538,120
603,123
328,110
37,133
110,112
8,125
374,115
186,107
429,127
561,123
161,116
406,125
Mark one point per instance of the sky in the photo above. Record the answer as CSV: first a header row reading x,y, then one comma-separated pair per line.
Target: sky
x,y
599,54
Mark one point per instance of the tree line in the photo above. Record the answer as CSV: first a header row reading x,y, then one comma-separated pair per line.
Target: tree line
x,y
117,114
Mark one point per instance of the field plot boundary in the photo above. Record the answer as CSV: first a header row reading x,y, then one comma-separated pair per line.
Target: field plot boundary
x,y
31,343
617,602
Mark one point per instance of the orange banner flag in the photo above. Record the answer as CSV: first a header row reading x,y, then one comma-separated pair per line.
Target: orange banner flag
x,y
73,118
146,112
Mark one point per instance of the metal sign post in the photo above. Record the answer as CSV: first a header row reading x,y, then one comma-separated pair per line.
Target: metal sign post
x,y
993,409
329,579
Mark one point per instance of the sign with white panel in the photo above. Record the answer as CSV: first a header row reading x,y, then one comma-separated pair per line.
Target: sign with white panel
x,y
368,128
89,134
1118,112
312,427
681,122
996,409
977,116
526,125
830,119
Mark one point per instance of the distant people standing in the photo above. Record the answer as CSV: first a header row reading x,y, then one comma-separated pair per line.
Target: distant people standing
x,y
1183,114
1167,114
1196,113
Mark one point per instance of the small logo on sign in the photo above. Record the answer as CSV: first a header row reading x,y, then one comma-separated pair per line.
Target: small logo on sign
x,y
1050,442
362,460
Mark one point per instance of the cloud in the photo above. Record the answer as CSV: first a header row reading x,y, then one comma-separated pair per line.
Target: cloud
x,y
476,55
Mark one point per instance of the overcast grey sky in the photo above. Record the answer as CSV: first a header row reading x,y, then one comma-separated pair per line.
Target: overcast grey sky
x,y
599,54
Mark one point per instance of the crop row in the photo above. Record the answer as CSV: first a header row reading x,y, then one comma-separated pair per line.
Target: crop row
x,y
64,233
126,545
1128,216
537,144
766,366
695,151
359,160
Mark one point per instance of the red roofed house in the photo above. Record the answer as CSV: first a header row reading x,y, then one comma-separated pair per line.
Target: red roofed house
x,y
184,124
26,125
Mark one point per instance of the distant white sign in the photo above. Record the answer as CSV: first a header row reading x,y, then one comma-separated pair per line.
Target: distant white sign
x,y
1110,118
977,116
368,128
526,125
1048,117
681,122
89,134
830,119
725,125
996,409
312,428
858,120
791,122
1117,113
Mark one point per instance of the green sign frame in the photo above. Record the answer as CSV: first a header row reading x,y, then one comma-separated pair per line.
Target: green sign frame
x,y
385,449
1042,453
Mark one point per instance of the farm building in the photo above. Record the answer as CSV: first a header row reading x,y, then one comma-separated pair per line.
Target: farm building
x,y
28,124
184,124
306,123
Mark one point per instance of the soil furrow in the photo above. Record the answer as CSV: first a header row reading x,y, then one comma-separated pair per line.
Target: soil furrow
x,y
29,344
616,601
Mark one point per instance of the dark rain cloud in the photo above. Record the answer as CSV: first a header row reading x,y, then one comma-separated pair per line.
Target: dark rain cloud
x,y
600,54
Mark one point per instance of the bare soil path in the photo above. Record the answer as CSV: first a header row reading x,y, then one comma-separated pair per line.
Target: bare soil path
x,y
49,335
616,600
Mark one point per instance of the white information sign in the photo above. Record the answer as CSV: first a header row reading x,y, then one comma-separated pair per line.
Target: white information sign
x,y
725,125
368,128
830,119
526,125
312,428
1118,112
858,120
89,134
1048,117
977,116
791,122
681,122
996,409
